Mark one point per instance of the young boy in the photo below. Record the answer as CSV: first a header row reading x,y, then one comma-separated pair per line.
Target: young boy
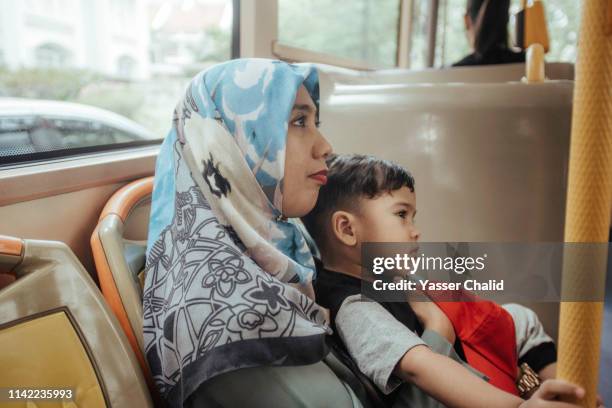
x,y
410,351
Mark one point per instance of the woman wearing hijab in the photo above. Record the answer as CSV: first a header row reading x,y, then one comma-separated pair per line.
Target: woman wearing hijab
x,y
486,23
228,274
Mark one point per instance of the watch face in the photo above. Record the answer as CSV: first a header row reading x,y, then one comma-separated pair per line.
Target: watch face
x,y
528,382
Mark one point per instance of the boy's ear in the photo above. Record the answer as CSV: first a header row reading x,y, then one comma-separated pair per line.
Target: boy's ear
x,y
343,227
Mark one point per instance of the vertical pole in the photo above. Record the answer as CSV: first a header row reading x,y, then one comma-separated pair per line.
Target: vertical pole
x,y
589,195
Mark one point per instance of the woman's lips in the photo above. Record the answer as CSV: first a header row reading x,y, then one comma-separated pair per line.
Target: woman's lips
x,y
320,176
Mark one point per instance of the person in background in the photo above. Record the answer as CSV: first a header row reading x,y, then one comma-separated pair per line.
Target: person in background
x,y
486,23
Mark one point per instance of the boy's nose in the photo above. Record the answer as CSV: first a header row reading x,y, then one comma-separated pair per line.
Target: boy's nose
x,y
416,234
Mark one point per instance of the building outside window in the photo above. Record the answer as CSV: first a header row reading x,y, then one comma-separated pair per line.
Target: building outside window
x,y
132,57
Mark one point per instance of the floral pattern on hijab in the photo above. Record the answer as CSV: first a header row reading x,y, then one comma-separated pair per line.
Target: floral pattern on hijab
x,y
228,279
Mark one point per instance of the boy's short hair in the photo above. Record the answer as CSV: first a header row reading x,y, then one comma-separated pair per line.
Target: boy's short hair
x,y
351,177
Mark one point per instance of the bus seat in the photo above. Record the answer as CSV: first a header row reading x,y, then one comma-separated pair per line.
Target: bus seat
x,y
11,254
56,330
120,261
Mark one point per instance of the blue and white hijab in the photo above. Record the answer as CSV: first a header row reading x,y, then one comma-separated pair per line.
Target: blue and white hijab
x,y
228,279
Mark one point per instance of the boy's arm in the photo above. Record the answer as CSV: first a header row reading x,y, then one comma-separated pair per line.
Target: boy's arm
x,y
377,341
438,324
382,346
459,388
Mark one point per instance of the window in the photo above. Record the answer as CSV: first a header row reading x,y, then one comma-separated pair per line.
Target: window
x,y
420,44
361,30
123,11
57,9
52,56
130,57
15,137
126,66
451,38
563,18
23,135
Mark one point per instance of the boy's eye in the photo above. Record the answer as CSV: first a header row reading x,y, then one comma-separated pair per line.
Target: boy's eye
x,y
402,214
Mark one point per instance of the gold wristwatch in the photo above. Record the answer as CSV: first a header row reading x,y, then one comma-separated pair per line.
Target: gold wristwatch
x,y
528,381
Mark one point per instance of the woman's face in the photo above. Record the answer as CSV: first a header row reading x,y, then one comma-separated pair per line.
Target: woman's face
x,y
305,168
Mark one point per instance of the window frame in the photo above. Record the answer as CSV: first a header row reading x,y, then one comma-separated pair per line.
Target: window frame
x,y
432,32
298,54
259,37
72,126
41,157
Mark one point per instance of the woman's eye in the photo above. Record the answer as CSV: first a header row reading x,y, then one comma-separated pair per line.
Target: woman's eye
x,y
299,122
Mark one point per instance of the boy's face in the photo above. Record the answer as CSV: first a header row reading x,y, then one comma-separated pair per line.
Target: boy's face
x,y
388,218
